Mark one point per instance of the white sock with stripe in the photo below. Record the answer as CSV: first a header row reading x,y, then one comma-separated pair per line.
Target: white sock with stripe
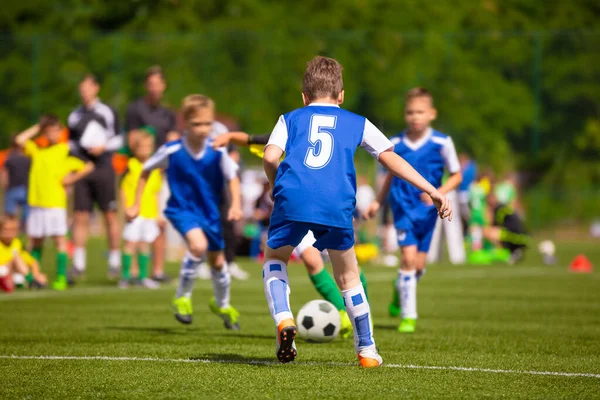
x,y
407,290
187,275
359,311
277,290
221,281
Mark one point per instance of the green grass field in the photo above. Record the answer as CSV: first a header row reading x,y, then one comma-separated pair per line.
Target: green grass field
x,y
526,331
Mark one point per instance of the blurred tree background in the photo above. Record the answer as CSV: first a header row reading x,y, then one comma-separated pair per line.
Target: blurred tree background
x,y
516,82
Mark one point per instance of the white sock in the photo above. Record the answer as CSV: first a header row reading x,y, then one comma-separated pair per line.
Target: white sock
x,y
359,311
187,275
221,280
277,290
79,258
407,290
114,259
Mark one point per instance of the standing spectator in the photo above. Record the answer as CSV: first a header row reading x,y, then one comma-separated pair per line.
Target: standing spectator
x,y
148,111
94,134
15,178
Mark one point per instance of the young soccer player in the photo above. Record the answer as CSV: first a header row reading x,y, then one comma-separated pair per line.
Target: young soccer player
x,y
15,260
52,170
197,174
314,189
429,152
140,233
310,256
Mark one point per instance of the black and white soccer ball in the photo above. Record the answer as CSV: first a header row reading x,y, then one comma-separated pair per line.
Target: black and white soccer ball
x,y
318,321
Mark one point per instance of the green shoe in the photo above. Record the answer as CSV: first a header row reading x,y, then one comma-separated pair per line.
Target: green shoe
x,y
229,315
346,329
60,283
407,325
394,310
182,308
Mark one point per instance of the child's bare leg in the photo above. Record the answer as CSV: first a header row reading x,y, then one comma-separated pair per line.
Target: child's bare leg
x,y
421,263
347,275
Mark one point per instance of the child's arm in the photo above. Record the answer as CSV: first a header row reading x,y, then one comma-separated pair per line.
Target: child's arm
x,y
400,168
235,211
4,180
132,212
27,134
160,160
381,196
275,149
76,176
238,138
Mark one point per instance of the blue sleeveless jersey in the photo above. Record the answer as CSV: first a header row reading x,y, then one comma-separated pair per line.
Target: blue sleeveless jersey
x,y
316,182
429,157
196,184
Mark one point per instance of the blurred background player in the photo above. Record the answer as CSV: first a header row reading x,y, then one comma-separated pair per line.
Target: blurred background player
x,y
430,152
94,134
315,190
14,260
310,256
52,170
15,179
196,174
148,111
139,234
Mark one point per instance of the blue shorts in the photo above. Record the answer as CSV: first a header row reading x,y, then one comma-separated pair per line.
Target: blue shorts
x,y
417,233
291,233
13,199
183,222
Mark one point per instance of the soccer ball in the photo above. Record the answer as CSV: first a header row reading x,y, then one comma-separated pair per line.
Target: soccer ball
x,y
318,321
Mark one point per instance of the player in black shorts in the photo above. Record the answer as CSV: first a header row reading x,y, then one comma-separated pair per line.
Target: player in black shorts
x,y
94,133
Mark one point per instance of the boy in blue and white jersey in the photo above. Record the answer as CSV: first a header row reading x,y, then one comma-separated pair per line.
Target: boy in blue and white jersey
x,y
314,188
429,152
197,174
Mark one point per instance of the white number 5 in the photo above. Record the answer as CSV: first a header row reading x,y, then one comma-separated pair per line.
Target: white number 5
x,y
321,151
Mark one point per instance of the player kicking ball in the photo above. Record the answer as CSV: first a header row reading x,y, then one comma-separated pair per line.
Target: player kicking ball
x,y
429,152
197,174
314,189
310,256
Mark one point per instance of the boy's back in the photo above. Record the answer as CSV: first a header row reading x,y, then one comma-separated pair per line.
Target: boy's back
x,y
316,182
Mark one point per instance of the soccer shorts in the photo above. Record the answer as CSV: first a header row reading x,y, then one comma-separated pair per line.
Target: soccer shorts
x,y
306,243
183,222
419,233
97,188
141,230
291,233
45,222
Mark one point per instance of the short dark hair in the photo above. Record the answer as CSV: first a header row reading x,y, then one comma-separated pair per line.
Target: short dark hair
x,y
89,77
323,78
49,120
419,92
155,70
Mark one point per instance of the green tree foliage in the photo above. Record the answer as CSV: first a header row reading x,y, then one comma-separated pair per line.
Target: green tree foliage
x,y
515,81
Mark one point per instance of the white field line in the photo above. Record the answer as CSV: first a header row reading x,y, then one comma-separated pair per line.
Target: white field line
x,y
261,362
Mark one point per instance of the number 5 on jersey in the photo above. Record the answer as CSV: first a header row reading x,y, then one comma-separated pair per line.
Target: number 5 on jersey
x,y
319,154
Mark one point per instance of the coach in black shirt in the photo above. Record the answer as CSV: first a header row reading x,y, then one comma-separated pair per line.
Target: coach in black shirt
x,y
148,111
93,135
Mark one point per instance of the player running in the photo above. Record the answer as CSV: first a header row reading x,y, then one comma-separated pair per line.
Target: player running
x,y
196,174
314,189
310,256
429,152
